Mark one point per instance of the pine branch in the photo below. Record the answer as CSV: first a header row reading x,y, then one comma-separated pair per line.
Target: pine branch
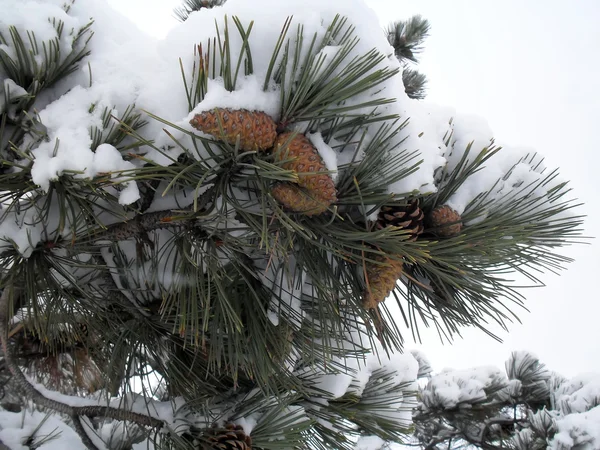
x,y
183,12
78,427
415,83
318,85
34,66
407,37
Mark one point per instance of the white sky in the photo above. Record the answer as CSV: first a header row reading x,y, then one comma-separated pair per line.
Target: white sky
x,y
532,69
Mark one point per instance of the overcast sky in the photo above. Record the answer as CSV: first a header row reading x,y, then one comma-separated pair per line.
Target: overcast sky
x,y
532,69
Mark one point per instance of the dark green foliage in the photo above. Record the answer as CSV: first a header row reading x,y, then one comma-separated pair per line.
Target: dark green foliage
x,y
190,6
407,37
415,83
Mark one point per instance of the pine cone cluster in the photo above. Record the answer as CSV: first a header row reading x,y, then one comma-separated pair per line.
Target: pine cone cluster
x,y
230,437
255,129
381,280
442,221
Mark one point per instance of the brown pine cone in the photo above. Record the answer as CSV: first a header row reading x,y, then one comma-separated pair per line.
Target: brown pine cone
x,y
381,280
256,129
409,217
230,437
298,200
301,156
444,221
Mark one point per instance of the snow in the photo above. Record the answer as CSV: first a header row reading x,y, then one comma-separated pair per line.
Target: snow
x,y
451,388
328,154
33,15
250,96
370,443
333,385
424,364
578,393
165,411
572,419
68,121
17,428
578,430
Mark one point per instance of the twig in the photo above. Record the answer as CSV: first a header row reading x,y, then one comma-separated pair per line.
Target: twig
x,y
15,330
499,421
143,223
78,426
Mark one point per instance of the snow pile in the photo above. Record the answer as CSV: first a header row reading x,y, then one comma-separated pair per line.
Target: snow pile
x,y
328,154
451,388
26,16
44,432
578,421
577,430
370,443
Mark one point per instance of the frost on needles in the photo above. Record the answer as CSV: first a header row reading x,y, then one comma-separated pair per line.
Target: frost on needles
x,y
167,283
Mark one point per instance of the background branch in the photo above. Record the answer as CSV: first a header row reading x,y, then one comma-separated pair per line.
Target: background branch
x,y
23,384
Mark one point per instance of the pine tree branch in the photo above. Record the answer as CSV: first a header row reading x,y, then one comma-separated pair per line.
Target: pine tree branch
x,y
183,12
143,223
78,426
499,421
432,445
27,388
414,83
407,37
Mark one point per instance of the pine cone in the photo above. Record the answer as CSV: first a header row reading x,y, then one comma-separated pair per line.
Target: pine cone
x,y
305,160
298,200
230,437
408,217
256,130
444,221
381,281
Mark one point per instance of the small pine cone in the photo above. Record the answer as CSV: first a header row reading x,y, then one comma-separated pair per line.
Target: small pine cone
x,y
256,129
445,222
306,161
298,200
408,217
230,437
381,281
